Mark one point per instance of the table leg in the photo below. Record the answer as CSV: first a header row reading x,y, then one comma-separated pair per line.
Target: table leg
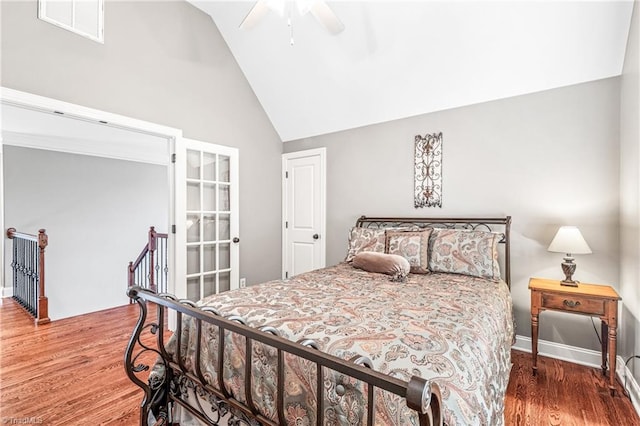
x,y
612,358
604,337
534,341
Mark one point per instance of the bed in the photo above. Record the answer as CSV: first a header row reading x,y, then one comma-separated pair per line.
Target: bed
x,y
344,345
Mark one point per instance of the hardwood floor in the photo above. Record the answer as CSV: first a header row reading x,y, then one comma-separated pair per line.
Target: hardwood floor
x,y
70,372
565,394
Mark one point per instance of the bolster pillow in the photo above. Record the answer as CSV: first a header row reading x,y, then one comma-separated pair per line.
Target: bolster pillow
x,y
391,264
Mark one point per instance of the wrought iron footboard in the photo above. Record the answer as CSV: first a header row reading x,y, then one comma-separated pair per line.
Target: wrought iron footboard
x,y
179,381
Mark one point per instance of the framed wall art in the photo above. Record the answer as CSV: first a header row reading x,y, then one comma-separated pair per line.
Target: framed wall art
x,y
428,170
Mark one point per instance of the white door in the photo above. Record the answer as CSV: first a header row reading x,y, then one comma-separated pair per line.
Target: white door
x,y
207,238
304,201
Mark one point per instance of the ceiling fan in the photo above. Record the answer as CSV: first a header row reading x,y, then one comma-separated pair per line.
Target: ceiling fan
x,y
318,8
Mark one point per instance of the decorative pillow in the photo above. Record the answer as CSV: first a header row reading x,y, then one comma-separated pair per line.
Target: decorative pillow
x,y
461,251
396,266
365,239
413,246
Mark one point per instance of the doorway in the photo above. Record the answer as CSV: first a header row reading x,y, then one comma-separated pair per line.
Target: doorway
x,y
85,171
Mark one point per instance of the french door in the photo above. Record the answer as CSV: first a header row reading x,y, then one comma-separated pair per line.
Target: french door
x,y
207,228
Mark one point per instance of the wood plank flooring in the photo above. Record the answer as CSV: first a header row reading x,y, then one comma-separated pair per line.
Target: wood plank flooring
x,y
70,372
563,393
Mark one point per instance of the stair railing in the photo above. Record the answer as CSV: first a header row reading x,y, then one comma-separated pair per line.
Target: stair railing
x,y
28,273
150,270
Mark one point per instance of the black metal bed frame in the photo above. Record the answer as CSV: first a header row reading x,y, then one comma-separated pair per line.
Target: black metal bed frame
x,y
482,224
422,396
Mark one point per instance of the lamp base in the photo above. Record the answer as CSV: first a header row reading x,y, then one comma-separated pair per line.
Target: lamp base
x,y
568,267
569,283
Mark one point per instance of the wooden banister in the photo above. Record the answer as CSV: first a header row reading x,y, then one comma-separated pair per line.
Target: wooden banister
x,y
149,260
36,306
43,301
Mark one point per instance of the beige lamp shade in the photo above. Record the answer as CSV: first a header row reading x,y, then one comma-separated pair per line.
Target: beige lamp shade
x,y
569,240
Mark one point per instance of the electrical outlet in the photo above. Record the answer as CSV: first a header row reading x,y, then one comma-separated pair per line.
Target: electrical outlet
x,y
243,282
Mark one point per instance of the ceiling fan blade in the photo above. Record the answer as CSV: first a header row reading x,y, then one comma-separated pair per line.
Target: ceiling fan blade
x,y
323,13
255,15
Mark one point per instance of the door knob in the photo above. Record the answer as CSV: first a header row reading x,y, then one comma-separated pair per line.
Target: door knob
x,y
316,236
236,240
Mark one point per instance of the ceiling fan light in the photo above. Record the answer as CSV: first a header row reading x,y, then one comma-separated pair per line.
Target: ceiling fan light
x,y
318,8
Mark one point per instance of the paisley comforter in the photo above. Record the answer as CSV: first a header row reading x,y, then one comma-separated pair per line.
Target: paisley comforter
x,y
454,329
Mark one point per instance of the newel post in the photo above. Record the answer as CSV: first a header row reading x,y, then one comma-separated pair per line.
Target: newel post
x,y
43,302
130,277
11,232
152,252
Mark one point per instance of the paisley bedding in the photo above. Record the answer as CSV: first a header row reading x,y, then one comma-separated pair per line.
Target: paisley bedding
x,y
454,329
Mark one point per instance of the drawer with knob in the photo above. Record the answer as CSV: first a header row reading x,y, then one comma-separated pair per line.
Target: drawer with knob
x,y
585,299
574,303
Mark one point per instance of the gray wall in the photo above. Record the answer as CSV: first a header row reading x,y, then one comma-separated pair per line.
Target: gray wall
x,y
96,212
164,62
547,159
630,196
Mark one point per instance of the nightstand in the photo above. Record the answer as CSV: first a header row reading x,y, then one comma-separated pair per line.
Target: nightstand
x,y
586,299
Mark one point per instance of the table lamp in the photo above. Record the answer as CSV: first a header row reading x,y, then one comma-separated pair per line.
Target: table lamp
x,y
570,241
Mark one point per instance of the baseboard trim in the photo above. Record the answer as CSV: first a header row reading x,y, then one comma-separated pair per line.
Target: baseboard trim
x,y
7,292
586,357
561,351
632,386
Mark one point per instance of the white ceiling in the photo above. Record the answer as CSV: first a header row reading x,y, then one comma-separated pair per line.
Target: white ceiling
x,y
398,59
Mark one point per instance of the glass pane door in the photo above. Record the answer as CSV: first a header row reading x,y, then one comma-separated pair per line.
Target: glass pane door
x,y
210,218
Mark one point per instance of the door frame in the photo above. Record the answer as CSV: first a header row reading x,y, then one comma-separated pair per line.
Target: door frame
x,y
54,106
322,152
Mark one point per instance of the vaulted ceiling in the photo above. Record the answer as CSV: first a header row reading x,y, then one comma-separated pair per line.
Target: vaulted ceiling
x,y
398,59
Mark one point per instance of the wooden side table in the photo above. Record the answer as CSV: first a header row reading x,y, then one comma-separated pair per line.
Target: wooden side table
x,y
586,299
